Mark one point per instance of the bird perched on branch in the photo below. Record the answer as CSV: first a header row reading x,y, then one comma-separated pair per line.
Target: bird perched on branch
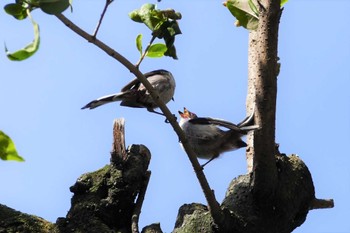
x,y
206,138
135,95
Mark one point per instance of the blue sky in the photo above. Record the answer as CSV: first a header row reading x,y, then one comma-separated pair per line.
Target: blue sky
x,y
42,97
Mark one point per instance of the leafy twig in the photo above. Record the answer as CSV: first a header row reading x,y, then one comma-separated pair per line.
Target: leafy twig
x,y
108,2
145,52
213,205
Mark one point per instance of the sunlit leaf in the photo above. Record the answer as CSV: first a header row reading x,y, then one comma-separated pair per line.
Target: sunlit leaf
x,y
139,43
16,10
283,2
53,7
147,15
30,49
8,149
241,10
253,8
156,50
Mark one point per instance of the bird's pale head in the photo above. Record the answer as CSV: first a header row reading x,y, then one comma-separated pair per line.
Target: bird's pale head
x,y
187,114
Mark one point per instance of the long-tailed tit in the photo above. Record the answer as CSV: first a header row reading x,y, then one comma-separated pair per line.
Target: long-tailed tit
x,y
206,138
135,95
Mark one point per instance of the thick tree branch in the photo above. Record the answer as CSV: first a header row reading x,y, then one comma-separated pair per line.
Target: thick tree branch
x,y
262,92
213,205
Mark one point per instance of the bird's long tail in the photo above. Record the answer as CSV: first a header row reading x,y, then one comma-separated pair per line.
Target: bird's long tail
x,y
104,100
248,123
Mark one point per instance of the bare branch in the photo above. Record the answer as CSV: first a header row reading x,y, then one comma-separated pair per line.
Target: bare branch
x,y
108,2
213,205
321,204
138,205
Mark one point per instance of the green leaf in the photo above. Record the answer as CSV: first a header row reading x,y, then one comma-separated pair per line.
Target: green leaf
x,y
8,149
156,50
253,8
139,43
243,13
146,14
163,25
30,49
171,14
283,2
16,10
53,7
171,52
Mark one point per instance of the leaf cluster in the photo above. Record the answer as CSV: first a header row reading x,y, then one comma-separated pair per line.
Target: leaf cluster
x,y
246,12
163,24
52,7
21,10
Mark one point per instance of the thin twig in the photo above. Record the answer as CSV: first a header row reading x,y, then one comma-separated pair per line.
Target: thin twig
x,y
213,205
145,52
138,205
108,2
321,204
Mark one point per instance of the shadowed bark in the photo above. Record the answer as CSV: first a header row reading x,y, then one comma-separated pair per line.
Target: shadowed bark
x,y
294,194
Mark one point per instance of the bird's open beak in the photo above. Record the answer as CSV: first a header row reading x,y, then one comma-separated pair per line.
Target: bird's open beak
x,y
185,114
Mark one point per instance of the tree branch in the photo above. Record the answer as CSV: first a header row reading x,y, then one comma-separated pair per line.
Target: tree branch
x,y
321,204
213,205
108,2
262,92
138,205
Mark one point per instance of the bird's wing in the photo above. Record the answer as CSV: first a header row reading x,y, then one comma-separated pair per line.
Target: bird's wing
x,y
135,83
219,122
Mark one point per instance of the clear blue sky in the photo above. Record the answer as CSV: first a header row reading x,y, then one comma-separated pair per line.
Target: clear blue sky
x,y
42,97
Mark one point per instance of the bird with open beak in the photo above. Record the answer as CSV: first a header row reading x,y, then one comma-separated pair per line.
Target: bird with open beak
x,y
208,140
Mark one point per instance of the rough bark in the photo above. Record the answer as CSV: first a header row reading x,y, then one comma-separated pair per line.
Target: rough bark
x,y
294,193
262,94
103,200
12,221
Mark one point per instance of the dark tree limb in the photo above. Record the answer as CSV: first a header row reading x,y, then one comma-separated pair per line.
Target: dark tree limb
x,y
139,203
321,204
